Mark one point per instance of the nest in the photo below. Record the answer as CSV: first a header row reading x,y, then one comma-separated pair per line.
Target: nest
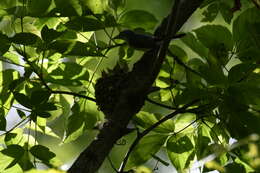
x,y
108,89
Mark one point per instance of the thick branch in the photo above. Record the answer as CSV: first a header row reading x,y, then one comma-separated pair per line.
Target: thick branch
x,y
132,97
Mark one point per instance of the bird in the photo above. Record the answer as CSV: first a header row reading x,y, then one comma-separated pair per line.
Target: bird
x,y
142,41
145,42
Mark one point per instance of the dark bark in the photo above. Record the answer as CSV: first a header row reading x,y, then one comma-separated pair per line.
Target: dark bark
x,y
132,97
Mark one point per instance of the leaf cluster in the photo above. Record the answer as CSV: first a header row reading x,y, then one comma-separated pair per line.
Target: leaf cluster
x,y
49,50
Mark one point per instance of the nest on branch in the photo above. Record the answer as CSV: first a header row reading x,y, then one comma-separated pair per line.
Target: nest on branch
x,y
108,89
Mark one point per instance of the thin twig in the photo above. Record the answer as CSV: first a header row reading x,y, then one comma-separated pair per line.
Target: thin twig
x,y
176,58
161,105
111,163
186,127
149,129
15,126
29,62
73,94
212,131
9,62
16,107
102,58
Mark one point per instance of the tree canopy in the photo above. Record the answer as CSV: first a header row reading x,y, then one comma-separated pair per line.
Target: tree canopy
x,y
76,98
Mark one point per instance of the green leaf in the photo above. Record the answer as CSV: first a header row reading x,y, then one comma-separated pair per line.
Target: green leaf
x,y
83,49
76,5
64,82
23,100
68,35
207,2
130,52
5,161
96,6
72,71
240,72
12,57
147,147
212,35
16,168
246,35
41,152
9,3
5,44
241,123
15,137
6,78
46,107
181,145
180,151
234,168
210,13
115,4
25,162
38,7
60,46
15,83
194,44
214,75
84,116
49,35
25,38
202,141
219,134
21,113
138,19
42,114
145,120
183,120
68,7
226,12
2,120
17,11
179,52
75,127
242,23
6,98
247,92
84,24
14,151
108,20
220,55
40,96
194,79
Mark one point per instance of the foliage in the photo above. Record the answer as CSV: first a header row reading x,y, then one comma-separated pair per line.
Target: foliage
x,y
52,52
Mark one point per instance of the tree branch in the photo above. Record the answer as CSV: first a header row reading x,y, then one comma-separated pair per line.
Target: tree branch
x,y
133,95
149,129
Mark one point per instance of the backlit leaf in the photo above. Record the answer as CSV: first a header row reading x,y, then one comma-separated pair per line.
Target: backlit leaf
x,y
138,19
